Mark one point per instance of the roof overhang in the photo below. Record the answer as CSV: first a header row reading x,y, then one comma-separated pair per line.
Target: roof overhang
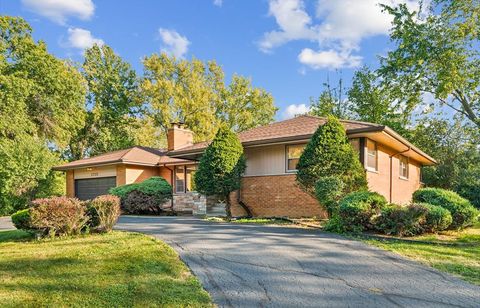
x,y
382,134
101,164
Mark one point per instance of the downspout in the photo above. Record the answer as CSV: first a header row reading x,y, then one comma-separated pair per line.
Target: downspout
x,y
391,169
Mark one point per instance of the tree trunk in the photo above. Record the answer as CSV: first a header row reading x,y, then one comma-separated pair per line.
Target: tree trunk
x,y
228,211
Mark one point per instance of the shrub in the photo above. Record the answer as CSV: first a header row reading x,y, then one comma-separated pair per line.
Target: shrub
x,y
437,218
402,220
58,215
357,210
329,153
21,219
221,167
145,197
155,186
137,202
107,211
463,212
328,190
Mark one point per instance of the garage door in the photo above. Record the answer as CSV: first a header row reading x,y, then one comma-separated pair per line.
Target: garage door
x,y
90,188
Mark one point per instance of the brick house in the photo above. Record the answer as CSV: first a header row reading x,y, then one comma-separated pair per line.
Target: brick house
x,y
392,166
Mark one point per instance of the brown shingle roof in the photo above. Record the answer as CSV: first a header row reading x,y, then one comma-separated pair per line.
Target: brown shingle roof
x,y
299,127
136,155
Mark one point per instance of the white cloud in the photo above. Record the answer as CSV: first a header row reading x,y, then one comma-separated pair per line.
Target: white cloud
x,y
293,110
81,38
59,10
218,2
328,59
292,20
341,26
175,43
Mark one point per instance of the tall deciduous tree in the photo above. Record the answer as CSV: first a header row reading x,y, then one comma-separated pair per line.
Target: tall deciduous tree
x,y
38,96
194,92
371,102
221,167
112,104
329,154
437,54
331,102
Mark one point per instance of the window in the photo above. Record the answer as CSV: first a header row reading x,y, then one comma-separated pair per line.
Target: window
x,y
179,179
403,167
372,155
190,175
293,154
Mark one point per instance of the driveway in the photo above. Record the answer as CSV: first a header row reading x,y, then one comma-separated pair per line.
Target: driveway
x,y
270,266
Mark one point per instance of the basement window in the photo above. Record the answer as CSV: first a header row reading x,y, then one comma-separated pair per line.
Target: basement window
x,y
372,155
403,167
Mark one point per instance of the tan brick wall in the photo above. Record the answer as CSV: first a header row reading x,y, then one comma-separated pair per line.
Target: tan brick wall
x,y
121,175
70,183
276,195
136,174
402,189
166,173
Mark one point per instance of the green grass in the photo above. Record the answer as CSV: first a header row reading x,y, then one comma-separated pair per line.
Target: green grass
x,y
118,269
462,260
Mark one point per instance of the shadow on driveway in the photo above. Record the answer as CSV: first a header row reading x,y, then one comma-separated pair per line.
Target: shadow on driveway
x,y
255,265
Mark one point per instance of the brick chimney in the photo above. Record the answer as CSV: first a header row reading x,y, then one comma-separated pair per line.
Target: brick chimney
x,y
178,136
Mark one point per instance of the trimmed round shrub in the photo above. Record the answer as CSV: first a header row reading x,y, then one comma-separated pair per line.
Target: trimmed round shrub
x,y
58,215
357,210
22,220
437,218
107,211
463,212
327,191
402,220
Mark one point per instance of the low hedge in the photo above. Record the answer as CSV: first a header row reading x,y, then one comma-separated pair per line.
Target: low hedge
x,y
437,218
22,220
104,211
146,197
462,211
402,220
357,210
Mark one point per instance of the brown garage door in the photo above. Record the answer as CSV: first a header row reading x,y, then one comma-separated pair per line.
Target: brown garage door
x,y
90,188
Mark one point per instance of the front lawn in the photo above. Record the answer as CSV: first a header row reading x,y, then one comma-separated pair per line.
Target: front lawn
x,y
117,269
462,260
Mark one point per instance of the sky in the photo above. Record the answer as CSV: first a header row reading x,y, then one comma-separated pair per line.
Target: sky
x,y
288,47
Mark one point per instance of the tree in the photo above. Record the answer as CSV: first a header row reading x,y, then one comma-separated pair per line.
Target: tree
x,y
112,104
194,92
331,102
455,147
221,167
371,102
329,154
38,96
437,54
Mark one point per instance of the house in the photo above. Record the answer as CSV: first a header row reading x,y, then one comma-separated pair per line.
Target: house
x,y
272,151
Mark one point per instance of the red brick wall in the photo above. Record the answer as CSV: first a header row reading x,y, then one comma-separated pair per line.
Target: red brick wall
x,y
276,195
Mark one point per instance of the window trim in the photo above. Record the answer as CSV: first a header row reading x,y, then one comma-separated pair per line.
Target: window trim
x,y
367,167
407,161
286,156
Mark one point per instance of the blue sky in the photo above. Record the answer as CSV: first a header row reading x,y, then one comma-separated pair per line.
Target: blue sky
x,y
287,47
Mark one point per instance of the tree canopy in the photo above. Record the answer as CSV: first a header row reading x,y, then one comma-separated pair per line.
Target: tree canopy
x,y
437,54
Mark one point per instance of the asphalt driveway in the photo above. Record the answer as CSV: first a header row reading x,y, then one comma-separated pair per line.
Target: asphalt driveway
x,y
270,266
